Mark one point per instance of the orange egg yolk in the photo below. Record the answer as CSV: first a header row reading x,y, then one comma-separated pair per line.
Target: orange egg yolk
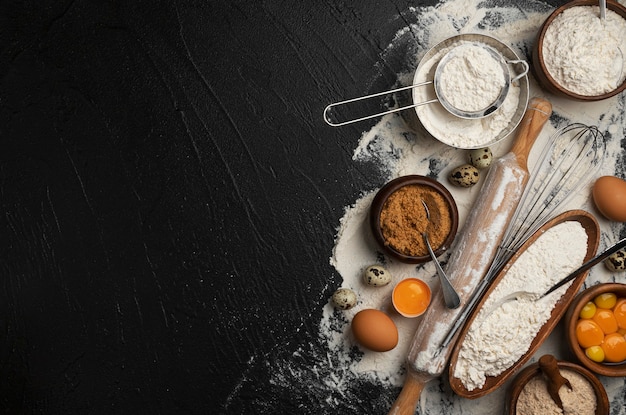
x,y
411,297
588,310
620,313
605,300
606,320
614,347
595,353
601,328
589,333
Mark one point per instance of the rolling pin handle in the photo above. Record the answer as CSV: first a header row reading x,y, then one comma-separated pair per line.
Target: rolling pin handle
x,y
538,112
406,403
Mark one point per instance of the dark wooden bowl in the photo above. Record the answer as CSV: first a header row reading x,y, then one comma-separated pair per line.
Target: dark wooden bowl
x,y
571,318
538,65
533,370
493,382
379,202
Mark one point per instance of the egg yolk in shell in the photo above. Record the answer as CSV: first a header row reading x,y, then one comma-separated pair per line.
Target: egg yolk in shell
x,y
411,297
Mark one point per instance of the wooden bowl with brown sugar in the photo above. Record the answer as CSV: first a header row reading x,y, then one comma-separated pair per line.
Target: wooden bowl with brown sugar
x,y
398,218
491,383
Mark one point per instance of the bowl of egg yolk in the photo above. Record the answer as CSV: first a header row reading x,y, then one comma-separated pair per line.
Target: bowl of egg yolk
x,y
596,328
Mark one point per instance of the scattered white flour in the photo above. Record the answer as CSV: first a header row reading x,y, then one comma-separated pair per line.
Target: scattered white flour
x,y
496,341
582,52
456,131
471,78
398,145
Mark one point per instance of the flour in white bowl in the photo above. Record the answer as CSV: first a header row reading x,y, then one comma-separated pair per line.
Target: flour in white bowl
x,y
455,131
585,54
496,341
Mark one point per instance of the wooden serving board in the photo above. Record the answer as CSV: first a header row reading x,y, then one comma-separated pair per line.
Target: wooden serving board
x,y
593,233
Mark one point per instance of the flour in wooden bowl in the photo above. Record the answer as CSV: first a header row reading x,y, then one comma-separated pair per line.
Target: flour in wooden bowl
x,y
496,341
585,54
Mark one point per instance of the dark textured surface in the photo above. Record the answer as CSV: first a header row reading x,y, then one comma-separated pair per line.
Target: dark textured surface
x,y
169,196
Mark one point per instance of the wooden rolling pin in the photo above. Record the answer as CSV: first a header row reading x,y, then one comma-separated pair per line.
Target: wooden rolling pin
x,y
472,254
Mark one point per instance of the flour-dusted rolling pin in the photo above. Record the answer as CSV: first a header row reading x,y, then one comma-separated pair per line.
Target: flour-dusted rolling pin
x,y
472,254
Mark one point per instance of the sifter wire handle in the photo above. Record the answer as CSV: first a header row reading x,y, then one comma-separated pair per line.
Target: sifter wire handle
x,y
378,94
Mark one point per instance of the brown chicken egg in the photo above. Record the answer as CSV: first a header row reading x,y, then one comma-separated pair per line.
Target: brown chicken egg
x,y
374,330
609,196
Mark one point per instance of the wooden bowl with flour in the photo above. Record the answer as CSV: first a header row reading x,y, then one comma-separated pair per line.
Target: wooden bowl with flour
x,y
555,50
513,332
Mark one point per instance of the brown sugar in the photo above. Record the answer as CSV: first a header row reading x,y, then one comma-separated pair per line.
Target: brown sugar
x,y
403,220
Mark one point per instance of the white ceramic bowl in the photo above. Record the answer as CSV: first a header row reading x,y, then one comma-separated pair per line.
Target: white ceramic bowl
x,y
470,133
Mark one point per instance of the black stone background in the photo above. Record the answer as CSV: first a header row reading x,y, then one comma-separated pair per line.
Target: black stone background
x,y
169,196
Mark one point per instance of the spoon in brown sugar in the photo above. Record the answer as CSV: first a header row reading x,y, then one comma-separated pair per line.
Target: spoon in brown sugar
x,y
450,296
550,369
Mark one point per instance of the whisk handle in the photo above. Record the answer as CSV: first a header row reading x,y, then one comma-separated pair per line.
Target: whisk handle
x,y
538,112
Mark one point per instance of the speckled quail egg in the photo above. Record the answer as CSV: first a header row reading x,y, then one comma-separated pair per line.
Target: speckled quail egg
x,y
376,276
481,158
464,176
344,298
616,261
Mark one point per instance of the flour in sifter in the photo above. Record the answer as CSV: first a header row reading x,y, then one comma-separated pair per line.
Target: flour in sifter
x,y
471,79
456,131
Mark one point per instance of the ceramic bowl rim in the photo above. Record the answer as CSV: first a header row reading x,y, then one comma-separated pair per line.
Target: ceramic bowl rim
x,y
508,53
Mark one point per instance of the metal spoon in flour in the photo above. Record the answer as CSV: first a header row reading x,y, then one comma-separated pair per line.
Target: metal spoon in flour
x,y
603,17
535,296
603,9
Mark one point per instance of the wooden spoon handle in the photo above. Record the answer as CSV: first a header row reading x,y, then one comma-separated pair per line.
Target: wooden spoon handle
x,y
537,113
406,403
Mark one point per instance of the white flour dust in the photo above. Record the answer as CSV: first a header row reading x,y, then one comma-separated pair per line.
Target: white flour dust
x,y
400,146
